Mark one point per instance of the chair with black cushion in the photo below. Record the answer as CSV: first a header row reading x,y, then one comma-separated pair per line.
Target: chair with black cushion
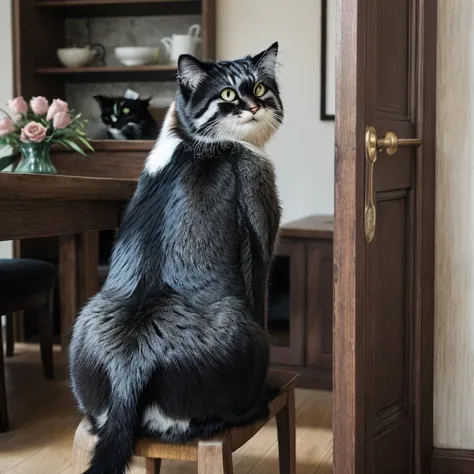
x,y
26,284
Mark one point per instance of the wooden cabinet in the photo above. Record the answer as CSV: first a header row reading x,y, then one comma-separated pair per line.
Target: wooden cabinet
x,y
301,301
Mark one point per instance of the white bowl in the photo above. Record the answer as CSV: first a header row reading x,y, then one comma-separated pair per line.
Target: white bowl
x,y
75,57
136,55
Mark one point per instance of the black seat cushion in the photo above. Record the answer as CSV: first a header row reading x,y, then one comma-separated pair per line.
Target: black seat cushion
x,y
20,277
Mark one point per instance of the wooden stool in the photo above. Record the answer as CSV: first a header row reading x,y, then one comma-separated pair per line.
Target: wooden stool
x,y
214,456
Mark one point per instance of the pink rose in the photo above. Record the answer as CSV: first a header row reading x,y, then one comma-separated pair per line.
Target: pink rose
x,y
58,105
33,132
6,126
39,105
18,105
61,120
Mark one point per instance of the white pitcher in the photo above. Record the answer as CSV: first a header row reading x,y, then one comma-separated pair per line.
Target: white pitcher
x,y
183,44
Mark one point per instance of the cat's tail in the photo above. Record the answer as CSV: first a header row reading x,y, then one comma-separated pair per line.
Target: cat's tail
x,y
113,452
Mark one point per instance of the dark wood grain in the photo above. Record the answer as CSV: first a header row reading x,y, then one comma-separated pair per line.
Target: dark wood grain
x,y
88,8
426,28
123,164
27,219
45,319
68,287
35,35
349,242
35,206
383,324
88,260
209,29
108,73
286,427
294,354
309,377
19,187
311,227
319,305
452,461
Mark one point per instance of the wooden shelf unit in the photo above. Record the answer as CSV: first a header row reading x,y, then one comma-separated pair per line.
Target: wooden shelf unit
x,y
38,28
153,73
87,8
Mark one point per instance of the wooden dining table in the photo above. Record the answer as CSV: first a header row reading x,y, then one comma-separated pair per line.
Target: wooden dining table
x,y
74,208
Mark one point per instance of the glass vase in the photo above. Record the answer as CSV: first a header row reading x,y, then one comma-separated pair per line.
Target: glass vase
x,y
35,159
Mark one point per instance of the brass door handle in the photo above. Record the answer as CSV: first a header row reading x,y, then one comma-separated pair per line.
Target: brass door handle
x,y
390,144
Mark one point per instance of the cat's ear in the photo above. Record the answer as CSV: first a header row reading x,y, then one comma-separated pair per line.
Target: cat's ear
x,y
266,60
145,102
101,100
191,71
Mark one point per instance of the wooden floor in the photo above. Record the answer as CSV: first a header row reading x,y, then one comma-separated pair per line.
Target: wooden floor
x,y
43,419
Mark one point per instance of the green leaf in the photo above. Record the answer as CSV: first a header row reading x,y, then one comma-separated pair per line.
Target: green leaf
x,y
74,146
86,143
61,142
6,161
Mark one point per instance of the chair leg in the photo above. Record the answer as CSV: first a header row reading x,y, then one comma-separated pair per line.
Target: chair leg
x,y
215,456
153,466
10,338
46,338
287,436
3,391
81,449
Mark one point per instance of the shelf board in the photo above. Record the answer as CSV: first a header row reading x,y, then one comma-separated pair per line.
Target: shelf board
x,y
112,73
123,145
90,8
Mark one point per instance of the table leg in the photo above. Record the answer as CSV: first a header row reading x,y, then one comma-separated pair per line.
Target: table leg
x,y
88,262
67,286
78,279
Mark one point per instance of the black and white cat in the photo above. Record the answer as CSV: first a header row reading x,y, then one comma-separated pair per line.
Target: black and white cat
x,y
127,119
173,344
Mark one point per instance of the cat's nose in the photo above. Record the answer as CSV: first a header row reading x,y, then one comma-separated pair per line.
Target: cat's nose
x,y
254,108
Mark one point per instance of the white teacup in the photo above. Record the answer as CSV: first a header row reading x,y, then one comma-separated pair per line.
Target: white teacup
x,y
79,57
183,44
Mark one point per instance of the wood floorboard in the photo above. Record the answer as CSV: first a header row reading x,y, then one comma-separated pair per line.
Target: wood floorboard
x,y
43,418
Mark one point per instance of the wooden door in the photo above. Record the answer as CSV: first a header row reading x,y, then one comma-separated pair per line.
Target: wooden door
x,y
383,329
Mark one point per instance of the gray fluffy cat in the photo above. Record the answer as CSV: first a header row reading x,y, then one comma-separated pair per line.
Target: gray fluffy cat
x,y
173,344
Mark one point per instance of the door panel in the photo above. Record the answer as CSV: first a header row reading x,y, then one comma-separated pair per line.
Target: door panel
x,y
383,300
319,305
389,414
392,20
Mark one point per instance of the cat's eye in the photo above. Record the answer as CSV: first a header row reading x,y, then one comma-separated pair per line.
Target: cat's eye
x,y
126,111
259,90
228,94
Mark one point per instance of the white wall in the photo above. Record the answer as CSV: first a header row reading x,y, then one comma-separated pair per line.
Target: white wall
x,y
303,150
454,291
6,79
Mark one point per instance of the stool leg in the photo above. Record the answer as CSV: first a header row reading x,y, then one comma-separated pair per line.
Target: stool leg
x,y
45,315
215,456
10,338
153,466
3,391
287,436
